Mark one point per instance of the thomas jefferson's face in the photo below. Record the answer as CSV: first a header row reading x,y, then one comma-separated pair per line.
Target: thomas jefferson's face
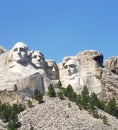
x,y
38,59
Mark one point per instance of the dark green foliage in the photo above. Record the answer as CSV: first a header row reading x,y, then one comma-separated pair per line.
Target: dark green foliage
x,y
5,112
85,97
102,105
105,121
51,91
95,114
78,101
59,84
60,95
29,103
93,101
111,106
21,107
86,101
91,105
9,114
85,92
11,126
69,92
14,116
38,96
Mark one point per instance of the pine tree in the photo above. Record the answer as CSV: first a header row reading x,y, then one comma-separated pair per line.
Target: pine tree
x,y
91,105
111,106
69,92
51,91
29,103
60,95
84,97
38,96
105,121
11,125
59,84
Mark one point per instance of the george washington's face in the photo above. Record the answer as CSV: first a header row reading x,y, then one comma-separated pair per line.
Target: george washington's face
x,y
20,52
38,59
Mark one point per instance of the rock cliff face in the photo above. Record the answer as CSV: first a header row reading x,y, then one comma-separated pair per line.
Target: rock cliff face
x,y
86,69
112,64
23,71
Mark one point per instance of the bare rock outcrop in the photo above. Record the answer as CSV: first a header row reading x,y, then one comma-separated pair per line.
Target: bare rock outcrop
x,y
82,69
18,74
112,64
2,49
86,69
23,71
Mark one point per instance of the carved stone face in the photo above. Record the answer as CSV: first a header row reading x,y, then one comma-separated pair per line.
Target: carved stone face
x,y
71,66
38,59
20,52
53,71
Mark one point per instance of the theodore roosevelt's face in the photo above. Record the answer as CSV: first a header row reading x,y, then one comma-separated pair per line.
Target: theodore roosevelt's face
x,y
52,70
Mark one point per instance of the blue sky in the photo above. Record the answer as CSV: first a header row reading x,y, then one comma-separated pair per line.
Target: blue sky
x,y
60,28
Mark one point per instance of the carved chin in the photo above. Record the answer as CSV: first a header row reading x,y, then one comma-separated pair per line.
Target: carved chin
x,y
38,65
18,59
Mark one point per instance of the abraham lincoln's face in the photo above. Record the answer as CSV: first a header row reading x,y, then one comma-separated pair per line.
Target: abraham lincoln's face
x,y
71,66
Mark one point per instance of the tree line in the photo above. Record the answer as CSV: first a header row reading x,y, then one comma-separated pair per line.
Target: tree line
x,y
85,100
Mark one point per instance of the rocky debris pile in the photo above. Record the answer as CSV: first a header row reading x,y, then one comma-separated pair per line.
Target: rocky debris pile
x,y
59,114
3,126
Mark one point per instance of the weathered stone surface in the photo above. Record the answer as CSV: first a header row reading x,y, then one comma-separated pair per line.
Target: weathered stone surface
x,y
86,69
82,69
22,69
2,49
38,60
52,70
112,64
18,74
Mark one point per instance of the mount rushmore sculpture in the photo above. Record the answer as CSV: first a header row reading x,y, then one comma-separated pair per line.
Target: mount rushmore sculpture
x,y
23,71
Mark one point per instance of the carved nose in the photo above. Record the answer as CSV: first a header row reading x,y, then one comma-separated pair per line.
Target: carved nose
x,y
18,51
38,58
53,69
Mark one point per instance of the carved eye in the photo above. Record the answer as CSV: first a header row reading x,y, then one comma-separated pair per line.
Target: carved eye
x,y
66,66
22,49
72,66
34,57
16,49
